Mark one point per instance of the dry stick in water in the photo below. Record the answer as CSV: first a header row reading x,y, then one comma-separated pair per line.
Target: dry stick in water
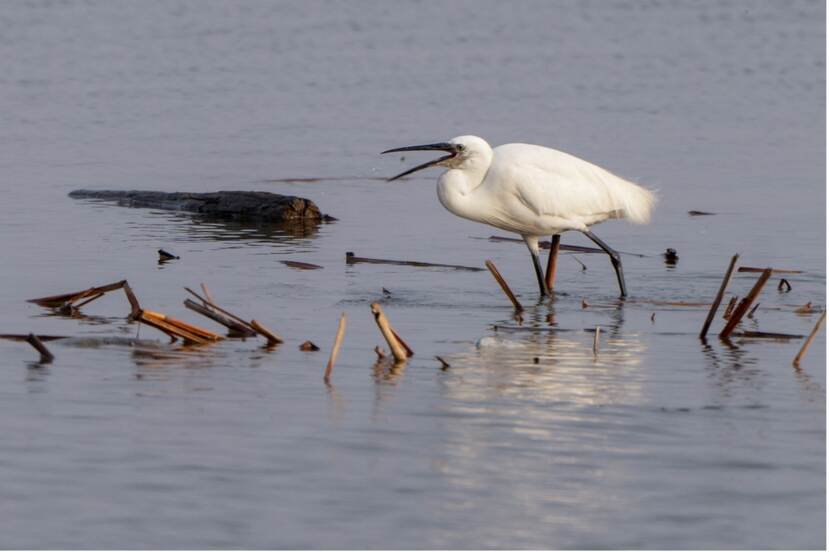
x,y
397,350
235,329
744,305
596,341
808,342
273,339
773,270
751,312
552,261
338,340
45,354
503,283
718,299
784,283
270,335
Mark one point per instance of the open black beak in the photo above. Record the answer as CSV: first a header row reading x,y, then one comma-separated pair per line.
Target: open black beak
x,y
440,146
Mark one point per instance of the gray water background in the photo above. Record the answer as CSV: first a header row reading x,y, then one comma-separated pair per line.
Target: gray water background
x,y
660,441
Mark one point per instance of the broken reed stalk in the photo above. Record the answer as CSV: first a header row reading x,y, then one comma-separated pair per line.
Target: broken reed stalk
x,y
397,350
784,283
552,260
351,258
273,338
57,301
135,306
178,329
730,308
270,335
338,340
235,329
773,270
744,305
45,355
503,283
596,341
808,342
207,292
718,299
409,351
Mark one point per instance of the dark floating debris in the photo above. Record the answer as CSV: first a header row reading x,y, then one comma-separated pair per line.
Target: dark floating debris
x,y
226,205
751,312
300,265
504,286
351,258
670,256
386,292
653,317
165,256
308,346
443,364
700,213
583,266
784,283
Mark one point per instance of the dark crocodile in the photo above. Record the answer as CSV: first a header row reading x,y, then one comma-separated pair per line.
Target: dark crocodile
x,y
227,205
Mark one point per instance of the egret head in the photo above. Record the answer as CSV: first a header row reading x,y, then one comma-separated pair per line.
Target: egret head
x,y
463,152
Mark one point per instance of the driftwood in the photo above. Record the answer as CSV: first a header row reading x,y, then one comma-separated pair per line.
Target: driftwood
x,y
784,283
351,258
730,308
338,340
226,205
443,364
718,299
70,302
744,305
808,342
504,286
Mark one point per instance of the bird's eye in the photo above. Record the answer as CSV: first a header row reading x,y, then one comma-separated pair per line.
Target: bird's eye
x,y
461,147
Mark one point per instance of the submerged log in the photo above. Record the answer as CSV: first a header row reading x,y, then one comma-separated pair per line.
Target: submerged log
x,y
227,205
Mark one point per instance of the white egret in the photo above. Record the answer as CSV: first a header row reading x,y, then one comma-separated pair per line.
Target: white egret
x,y
533,191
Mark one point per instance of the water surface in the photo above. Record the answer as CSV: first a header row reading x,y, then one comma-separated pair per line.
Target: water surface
x,y
659,441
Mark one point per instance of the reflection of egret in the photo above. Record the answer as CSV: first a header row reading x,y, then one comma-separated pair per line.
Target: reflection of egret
x,y
533,191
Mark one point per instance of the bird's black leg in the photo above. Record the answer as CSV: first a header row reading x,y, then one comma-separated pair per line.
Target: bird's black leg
x,y
539,273
615,259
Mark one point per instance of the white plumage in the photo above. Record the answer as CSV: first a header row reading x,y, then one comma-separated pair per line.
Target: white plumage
x,y
533,191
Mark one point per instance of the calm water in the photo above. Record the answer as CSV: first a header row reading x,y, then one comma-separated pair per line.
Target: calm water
x,y
658,442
